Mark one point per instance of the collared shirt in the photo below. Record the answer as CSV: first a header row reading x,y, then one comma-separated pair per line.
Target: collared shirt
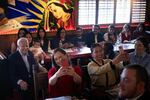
x,y
95,38
143,60
135,98
25,59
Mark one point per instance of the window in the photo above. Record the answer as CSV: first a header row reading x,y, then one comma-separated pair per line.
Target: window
x,y
123,11
138,11
87,12
111,11
105,11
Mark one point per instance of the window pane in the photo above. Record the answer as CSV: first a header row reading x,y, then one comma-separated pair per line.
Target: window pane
x,y
87,12
123,11
138,11
106,11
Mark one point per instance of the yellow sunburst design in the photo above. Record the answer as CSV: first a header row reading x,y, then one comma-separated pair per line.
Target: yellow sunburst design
x,y
38,15
43,15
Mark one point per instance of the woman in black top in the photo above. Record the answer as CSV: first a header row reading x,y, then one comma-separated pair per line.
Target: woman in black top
x,y
41,35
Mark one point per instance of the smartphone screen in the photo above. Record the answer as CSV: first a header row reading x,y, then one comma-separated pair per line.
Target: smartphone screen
x,y
65,63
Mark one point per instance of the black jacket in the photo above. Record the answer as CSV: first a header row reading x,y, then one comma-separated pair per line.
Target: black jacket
x,y
18,69
145,96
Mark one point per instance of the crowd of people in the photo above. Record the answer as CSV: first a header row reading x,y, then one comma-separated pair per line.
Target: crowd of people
x,y
114,75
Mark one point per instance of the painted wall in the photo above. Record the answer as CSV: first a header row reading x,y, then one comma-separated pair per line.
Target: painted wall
x,y
51,14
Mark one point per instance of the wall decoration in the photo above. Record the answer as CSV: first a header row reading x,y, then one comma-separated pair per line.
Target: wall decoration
x,y
30,14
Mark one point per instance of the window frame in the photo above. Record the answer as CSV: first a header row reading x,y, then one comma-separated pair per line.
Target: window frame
x,y
114,15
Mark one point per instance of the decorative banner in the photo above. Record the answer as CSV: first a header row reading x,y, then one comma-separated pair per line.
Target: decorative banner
x,y
30,14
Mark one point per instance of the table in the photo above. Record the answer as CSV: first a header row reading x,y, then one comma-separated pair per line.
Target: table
x,y
77,52
65,98
126,46
60,98
86,52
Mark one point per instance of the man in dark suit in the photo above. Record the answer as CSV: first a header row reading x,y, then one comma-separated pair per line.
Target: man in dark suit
x,y
79,39
95,36
20,67
134,83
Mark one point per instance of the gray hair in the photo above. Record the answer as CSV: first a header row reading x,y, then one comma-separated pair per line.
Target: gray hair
x,y
22,39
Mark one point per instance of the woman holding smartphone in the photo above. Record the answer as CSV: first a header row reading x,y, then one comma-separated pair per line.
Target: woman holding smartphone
x,y
64,79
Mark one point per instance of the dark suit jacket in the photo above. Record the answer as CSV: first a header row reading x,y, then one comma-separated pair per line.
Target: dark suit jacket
x,y
145,96
90,38
5,86
18,69
78,41
45,45
55,42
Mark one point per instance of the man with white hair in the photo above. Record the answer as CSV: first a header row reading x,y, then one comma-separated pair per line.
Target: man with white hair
x,y
20,67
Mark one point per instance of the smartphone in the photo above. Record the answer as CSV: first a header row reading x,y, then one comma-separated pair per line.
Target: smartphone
x,y
65,64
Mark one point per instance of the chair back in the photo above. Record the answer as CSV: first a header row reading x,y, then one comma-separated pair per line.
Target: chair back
x,y
40,84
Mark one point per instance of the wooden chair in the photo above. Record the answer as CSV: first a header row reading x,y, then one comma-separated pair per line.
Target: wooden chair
x,y
86,83
40,84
